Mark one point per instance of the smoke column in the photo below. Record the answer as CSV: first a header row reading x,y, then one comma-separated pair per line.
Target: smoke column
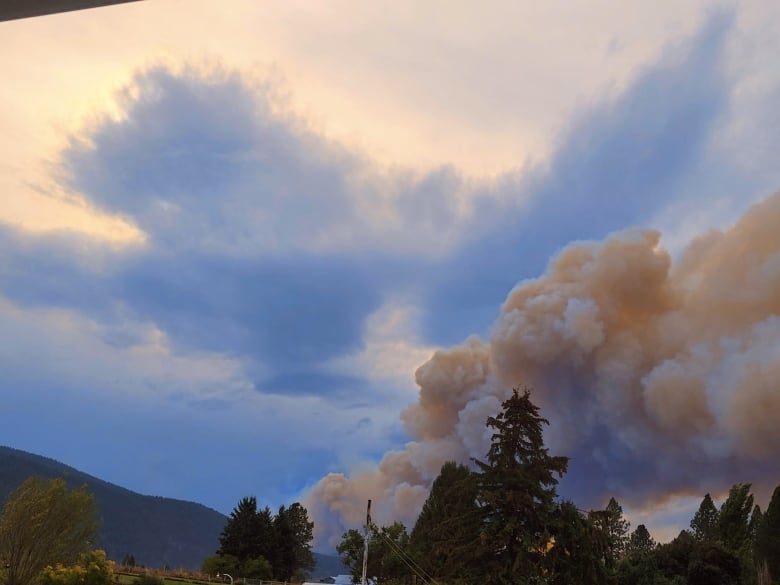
x,y
658,378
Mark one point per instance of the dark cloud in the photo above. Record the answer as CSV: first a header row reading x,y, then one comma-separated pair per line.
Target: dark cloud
x,y
236,198
298,383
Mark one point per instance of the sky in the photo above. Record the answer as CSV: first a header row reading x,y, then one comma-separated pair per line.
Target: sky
x,y
302,250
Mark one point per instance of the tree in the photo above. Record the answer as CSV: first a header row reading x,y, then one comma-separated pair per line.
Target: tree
x,y
714,563
217,564
42,523
516,492
242,536
575,553
673,558
617,530
768,537
92,569
293,533
704,525
640,543
445,536
264,545
388,554
734,518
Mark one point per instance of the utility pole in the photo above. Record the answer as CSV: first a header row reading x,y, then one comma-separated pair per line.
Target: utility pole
x,y
365,548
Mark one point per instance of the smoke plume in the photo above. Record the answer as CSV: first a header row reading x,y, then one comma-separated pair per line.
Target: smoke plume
x,y
658,377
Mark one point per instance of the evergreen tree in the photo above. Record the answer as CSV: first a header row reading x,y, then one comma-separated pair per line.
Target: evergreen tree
x,y
576,551
733,519
674,558
446,533
292,547
640,543
239,536
768,537
265,535
617,530
713,564
516,492
704,525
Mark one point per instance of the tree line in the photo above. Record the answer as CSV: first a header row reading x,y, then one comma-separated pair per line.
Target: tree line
x,y
261,545
503,523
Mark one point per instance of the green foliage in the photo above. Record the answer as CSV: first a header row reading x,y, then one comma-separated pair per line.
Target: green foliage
x,y
446,534
388,547
768,537
350,550
155,530
733,519
704,525
617,531
714,563
92,569
41,524
577,551
259,568
516,493
245,536
261,545
216,564
673,558
292,547
640,544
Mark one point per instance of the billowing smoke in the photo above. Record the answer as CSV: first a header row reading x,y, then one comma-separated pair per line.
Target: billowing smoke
x,y
658,378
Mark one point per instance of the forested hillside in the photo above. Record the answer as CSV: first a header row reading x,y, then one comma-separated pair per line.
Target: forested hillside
x,y
156,531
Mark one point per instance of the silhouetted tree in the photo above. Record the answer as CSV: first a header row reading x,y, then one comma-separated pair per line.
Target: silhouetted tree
x,y
617,529
704,525
768,537
445,537
576,552
640,542
292,547
734,517
516,492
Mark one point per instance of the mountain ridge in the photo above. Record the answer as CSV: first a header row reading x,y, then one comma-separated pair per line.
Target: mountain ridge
x,y
157,531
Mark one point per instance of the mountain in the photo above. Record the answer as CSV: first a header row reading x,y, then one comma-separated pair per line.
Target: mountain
x,y
157,531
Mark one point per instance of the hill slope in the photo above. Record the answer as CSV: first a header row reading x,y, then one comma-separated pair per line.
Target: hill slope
x,y
156,531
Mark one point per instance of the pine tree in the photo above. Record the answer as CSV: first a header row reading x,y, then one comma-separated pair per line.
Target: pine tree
x,y
640,543
446,533
704,525
734,518
516,492
239,536
768,537
576,552
617,528
292,547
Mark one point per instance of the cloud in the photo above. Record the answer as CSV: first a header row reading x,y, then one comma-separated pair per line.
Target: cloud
x,y
617,164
